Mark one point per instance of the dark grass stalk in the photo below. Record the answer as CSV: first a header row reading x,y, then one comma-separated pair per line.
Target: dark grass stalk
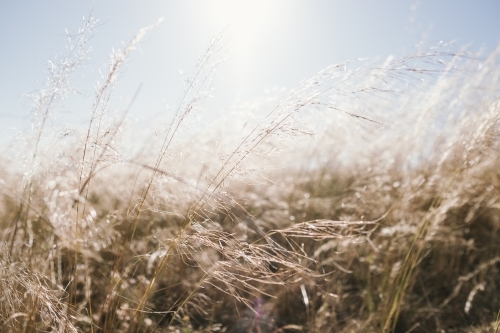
x,y
412,259
174,127
496,327
101,100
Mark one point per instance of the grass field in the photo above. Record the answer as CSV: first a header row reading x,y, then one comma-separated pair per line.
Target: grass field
x,y
365,200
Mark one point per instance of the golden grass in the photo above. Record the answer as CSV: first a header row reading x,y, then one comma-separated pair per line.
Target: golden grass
x,y
366,200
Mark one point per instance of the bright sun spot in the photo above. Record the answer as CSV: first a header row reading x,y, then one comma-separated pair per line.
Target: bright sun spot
x,y
249,27
248,21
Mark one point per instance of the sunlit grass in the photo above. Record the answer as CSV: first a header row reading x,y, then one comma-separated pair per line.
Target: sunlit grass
x,y
364,200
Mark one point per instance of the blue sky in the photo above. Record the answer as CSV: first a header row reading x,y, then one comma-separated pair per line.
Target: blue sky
x,y
272,43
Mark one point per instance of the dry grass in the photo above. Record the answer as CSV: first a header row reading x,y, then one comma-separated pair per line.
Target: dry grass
x,y
366,200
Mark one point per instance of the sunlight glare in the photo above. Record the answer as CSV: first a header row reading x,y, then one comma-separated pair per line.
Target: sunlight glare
x,y
250,27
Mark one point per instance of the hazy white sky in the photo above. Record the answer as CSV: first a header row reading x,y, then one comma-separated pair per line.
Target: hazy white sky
x,y
273,43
